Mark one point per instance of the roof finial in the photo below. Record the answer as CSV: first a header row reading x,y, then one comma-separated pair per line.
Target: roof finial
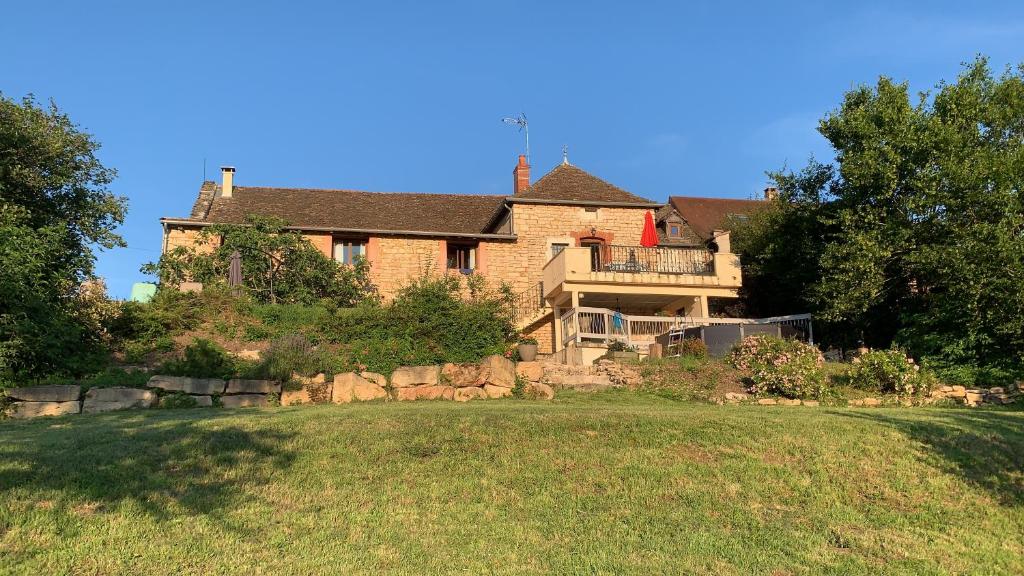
x,y
565,154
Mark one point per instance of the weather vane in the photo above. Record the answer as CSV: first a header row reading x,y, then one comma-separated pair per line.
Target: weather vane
x,y
523,127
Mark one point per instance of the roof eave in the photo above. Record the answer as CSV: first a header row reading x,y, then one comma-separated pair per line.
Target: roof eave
x,y
425,233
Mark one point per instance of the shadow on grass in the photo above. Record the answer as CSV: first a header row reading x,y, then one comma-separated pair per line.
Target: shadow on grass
x,y
163,462
985,447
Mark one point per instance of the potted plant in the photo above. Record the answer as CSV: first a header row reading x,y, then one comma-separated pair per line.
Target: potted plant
x,y
619,350
527,349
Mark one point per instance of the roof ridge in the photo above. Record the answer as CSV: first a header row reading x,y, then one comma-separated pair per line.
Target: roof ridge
x,y
357,191
578,191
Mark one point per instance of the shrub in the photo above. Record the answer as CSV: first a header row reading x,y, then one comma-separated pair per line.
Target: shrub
x,y
177,400
116,377
693,347
202,359
620,346
781,366
890,371
292,353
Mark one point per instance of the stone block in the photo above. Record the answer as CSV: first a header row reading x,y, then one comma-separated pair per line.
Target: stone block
x,y
241,386
532,371
378,379
198,386
36,409
244,401
493,391
117,398
467,394
539,391
52,393
350,386
295,397
767,401
736,397
497,370
425,393
203,401
415,376
810,403
788,402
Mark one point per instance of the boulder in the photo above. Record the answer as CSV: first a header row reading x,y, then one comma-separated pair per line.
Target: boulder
x,y
307,380
497,370
425,393
461,375
203,401
788,402
378,379
957,392
532,371
351,386
997,390
493,391
467,394
34,409
539,391
244,401
295,397
767,401
200,386
870,402
117,398
736,397
52,393
240,386
415,376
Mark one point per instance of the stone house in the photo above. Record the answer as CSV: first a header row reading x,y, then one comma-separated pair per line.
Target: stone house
x,y
567,244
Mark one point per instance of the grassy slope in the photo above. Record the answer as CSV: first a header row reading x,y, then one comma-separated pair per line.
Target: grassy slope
x,y
609,483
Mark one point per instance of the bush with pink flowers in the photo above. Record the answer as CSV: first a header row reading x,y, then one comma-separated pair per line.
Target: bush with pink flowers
x,y
890,371
781,366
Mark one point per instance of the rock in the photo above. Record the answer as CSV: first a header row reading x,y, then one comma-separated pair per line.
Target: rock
x,y
425,393
117,398
585,382
295,397
35,409
497,370
414,376
52,393
736,396
201,386
767,401
493,391
461,375
244,401
946,388
539,391
378,379
996,390
248,354
975,397
240,386
532,371
957,392
788,402
870,402
351,386
467,394
308,380
203,401
810,403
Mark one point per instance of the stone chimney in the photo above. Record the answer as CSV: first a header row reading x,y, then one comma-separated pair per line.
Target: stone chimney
x,y
228,181
520,176
771,193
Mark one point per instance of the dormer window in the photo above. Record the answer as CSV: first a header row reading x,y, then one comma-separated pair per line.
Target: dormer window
x,y
673,231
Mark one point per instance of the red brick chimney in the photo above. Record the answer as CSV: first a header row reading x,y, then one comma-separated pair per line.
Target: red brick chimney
x,y
520,176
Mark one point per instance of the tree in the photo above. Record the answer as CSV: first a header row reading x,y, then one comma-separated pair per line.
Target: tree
x,y
55,207
278,265
921,223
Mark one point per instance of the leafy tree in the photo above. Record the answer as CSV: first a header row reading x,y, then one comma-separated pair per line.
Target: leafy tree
x,y
278,265
920,221
55,207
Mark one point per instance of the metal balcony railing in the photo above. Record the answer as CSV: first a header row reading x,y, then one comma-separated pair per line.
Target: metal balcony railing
x,y
659,260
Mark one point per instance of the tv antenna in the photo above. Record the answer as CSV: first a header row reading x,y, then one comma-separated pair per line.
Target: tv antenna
x,y
523,127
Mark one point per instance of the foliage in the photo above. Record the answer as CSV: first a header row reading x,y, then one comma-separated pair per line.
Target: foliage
x,y
694,347
913,236
528,341
278,264
177,400
113,376
202,359
620,346
519,390
428,322
781,366
293,353
55,207
890,371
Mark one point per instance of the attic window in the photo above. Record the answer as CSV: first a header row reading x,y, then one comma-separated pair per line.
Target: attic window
x,y
673,231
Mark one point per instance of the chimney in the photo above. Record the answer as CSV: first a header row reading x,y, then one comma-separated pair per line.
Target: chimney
x,y
771,193
520,176
228,177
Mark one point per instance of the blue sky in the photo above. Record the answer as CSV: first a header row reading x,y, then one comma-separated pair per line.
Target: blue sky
x,y
696,98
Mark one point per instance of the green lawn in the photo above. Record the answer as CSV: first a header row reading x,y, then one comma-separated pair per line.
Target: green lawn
x,y
612,483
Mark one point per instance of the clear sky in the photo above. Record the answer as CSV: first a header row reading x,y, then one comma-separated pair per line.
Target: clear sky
x,y
695,98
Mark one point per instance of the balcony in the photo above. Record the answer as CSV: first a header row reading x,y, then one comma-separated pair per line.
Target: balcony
x,y
637,269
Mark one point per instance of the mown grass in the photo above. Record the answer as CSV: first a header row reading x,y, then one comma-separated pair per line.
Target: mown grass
x,y
615,482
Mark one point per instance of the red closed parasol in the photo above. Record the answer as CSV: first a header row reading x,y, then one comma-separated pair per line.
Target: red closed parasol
x,y
649,238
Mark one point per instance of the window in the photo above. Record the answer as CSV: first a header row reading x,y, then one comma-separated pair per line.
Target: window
x,y
461,258
556,248
674,231
346,251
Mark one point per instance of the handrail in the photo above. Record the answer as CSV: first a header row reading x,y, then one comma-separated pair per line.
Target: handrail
x,y
528,303
655,259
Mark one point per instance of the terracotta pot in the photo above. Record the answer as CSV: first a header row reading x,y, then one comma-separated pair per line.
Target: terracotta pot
x,y
527,352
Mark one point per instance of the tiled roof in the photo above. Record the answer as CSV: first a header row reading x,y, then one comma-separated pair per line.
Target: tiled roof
x,y
571,184
356,210
707,214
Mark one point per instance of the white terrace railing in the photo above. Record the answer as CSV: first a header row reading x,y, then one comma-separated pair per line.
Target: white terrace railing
x,y
602,324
